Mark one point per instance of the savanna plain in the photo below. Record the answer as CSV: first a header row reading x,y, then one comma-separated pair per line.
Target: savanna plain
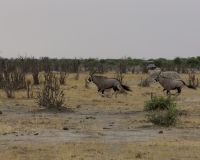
x,y
89,126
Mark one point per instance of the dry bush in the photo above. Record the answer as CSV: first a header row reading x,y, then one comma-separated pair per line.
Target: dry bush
x,y
122,66
50,96
144,83
63,76
46,64
13,81
35,68
19,79
29,89
9,89
76,76
76,64
119,76
192,79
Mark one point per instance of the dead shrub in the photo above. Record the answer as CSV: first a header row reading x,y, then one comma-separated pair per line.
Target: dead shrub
x,y
63,76
192,79
19,79
144,83
51,96
9,89
29,89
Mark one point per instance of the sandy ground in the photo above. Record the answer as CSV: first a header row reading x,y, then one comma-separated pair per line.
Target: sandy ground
x,y
82,125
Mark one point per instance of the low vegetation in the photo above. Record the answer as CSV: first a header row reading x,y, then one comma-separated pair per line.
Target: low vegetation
x,y
159,103
162,111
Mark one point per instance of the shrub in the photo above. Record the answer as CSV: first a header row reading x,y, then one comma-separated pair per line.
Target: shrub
x,y
63,76
165,117
164,111
159,103
9,89
50,96
144,83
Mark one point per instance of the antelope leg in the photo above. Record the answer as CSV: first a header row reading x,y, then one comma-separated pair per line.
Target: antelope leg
x,y
176,94
165,92
168,93
101,93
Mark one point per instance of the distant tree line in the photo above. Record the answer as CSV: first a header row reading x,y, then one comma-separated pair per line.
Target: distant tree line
x,y
30,64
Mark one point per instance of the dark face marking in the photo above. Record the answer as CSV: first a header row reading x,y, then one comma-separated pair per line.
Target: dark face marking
x,y
156,79
89,79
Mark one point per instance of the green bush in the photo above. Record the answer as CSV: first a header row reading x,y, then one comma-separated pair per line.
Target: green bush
x,y
165,117
163,110
159,103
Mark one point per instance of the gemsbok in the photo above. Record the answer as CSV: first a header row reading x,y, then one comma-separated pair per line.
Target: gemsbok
x,y
172,84
103,83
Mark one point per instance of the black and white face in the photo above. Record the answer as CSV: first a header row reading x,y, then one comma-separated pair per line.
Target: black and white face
x,y
89,79
156,79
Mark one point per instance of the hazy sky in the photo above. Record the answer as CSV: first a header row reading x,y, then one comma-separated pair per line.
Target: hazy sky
x,y
100,28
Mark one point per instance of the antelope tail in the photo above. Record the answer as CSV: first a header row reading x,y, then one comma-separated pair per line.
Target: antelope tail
x,y
126,88
189,86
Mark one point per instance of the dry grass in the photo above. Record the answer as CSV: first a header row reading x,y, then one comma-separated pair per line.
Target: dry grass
x,y
76,95
164,149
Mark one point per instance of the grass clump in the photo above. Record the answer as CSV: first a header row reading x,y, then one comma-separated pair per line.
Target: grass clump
x,y
163,111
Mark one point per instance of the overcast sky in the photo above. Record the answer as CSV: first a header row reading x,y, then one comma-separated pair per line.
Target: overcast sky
x,y
100,28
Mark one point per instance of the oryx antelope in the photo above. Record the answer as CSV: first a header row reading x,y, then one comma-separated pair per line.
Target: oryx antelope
x,y
172,84
106,83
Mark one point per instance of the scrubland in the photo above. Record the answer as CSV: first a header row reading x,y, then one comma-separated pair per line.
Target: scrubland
x,y
92,127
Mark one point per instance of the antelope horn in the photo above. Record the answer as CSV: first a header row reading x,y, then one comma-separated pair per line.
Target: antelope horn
x,y
96,69
160,71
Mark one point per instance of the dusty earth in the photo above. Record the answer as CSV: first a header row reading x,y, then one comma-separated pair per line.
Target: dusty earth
x,y
88,118
102,125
